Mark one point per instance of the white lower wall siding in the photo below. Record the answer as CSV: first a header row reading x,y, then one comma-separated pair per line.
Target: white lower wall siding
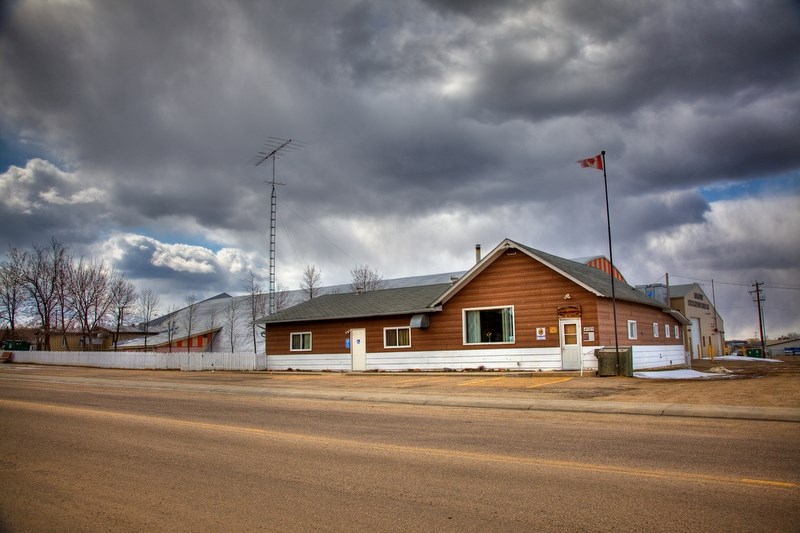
x,y
646,357
541,359
333,362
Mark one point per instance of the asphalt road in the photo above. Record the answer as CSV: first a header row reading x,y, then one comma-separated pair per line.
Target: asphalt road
x,y
92,456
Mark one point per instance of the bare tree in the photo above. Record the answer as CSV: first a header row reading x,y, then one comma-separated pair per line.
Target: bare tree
x,y
13,296
40,276
148,307
232,319
366,279
283,298
190,319
172,325
257,300
65,315
89,295
311,282
123,296
212,322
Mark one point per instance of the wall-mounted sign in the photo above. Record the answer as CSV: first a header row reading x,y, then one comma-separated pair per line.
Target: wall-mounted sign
x,y
541,334
569,311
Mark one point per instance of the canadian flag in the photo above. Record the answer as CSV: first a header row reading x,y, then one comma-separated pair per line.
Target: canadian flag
x,y
592,162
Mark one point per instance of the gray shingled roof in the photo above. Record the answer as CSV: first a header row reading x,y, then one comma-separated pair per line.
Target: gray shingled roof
x,y
399,301
421,299
594,278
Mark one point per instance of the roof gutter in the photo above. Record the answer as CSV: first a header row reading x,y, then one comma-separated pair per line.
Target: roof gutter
x,y
267,322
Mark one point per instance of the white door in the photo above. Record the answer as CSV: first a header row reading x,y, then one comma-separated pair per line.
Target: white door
x,y
358,349
695,348
570,334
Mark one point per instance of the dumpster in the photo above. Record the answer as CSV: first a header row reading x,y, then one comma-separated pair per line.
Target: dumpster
x,y
754,352
606,362
625,362
16,345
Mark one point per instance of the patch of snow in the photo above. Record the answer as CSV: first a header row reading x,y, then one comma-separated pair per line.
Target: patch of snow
x,y
719,370
679,374
741,358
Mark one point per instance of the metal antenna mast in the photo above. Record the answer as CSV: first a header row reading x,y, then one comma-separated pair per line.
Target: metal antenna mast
x,y
273,149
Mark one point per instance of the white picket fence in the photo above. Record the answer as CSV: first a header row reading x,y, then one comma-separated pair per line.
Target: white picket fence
x,y
195,361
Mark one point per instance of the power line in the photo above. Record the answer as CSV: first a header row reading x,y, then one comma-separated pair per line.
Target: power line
x,y
711,280
768,286
765,284
319,232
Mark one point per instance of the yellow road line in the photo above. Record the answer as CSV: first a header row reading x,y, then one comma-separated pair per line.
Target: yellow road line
x,y
481,380
399,449
421,380
548,382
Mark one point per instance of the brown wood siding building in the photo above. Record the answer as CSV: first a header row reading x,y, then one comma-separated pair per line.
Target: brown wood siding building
x,y
540,292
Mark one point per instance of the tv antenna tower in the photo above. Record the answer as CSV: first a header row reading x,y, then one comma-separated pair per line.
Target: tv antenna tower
x,y
274,148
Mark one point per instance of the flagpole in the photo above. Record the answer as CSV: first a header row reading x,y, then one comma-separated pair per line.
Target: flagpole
x,y
611,258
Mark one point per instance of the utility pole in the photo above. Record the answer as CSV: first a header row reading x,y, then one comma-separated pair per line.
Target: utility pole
x,y
759,297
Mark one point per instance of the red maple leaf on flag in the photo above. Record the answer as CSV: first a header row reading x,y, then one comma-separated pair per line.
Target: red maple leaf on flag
x,y
592,162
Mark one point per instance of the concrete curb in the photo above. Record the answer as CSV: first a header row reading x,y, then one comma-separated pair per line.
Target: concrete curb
x,y
778,414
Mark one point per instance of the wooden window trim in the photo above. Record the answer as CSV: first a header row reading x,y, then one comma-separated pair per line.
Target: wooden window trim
x,y
397,329
634,330
464,326
300,334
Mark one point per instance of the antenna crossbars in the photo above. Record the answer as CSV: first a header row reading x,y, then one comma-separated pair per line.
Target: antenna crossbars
x,y
274,148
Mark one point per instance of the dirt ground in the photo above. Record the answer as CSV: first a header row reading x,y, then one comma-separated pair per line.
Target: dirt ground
x,y
749,383
753,383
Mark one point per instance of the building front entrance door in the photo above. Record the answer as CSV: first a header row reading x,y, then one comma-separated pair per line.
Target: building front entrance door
x,y
358,349
570,343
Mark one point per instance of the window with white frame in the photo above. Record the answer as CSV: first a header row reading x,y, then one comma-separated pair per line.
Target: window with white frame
x,y
632,329
666,330
397,337
488,325
655,329
677,332
301,342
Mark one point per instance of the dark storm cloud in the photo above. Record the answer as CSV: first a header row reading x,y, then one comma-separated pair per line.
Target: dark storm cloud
x,y
612,58
657,212
429,125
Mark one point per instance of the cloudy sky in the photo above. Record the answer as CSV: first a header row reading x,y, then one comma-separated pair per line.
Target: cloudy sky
x,y
128,130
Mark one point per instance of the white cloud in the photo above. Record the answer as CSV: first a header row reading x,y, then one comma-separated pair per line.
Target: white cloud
x,y
41,184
